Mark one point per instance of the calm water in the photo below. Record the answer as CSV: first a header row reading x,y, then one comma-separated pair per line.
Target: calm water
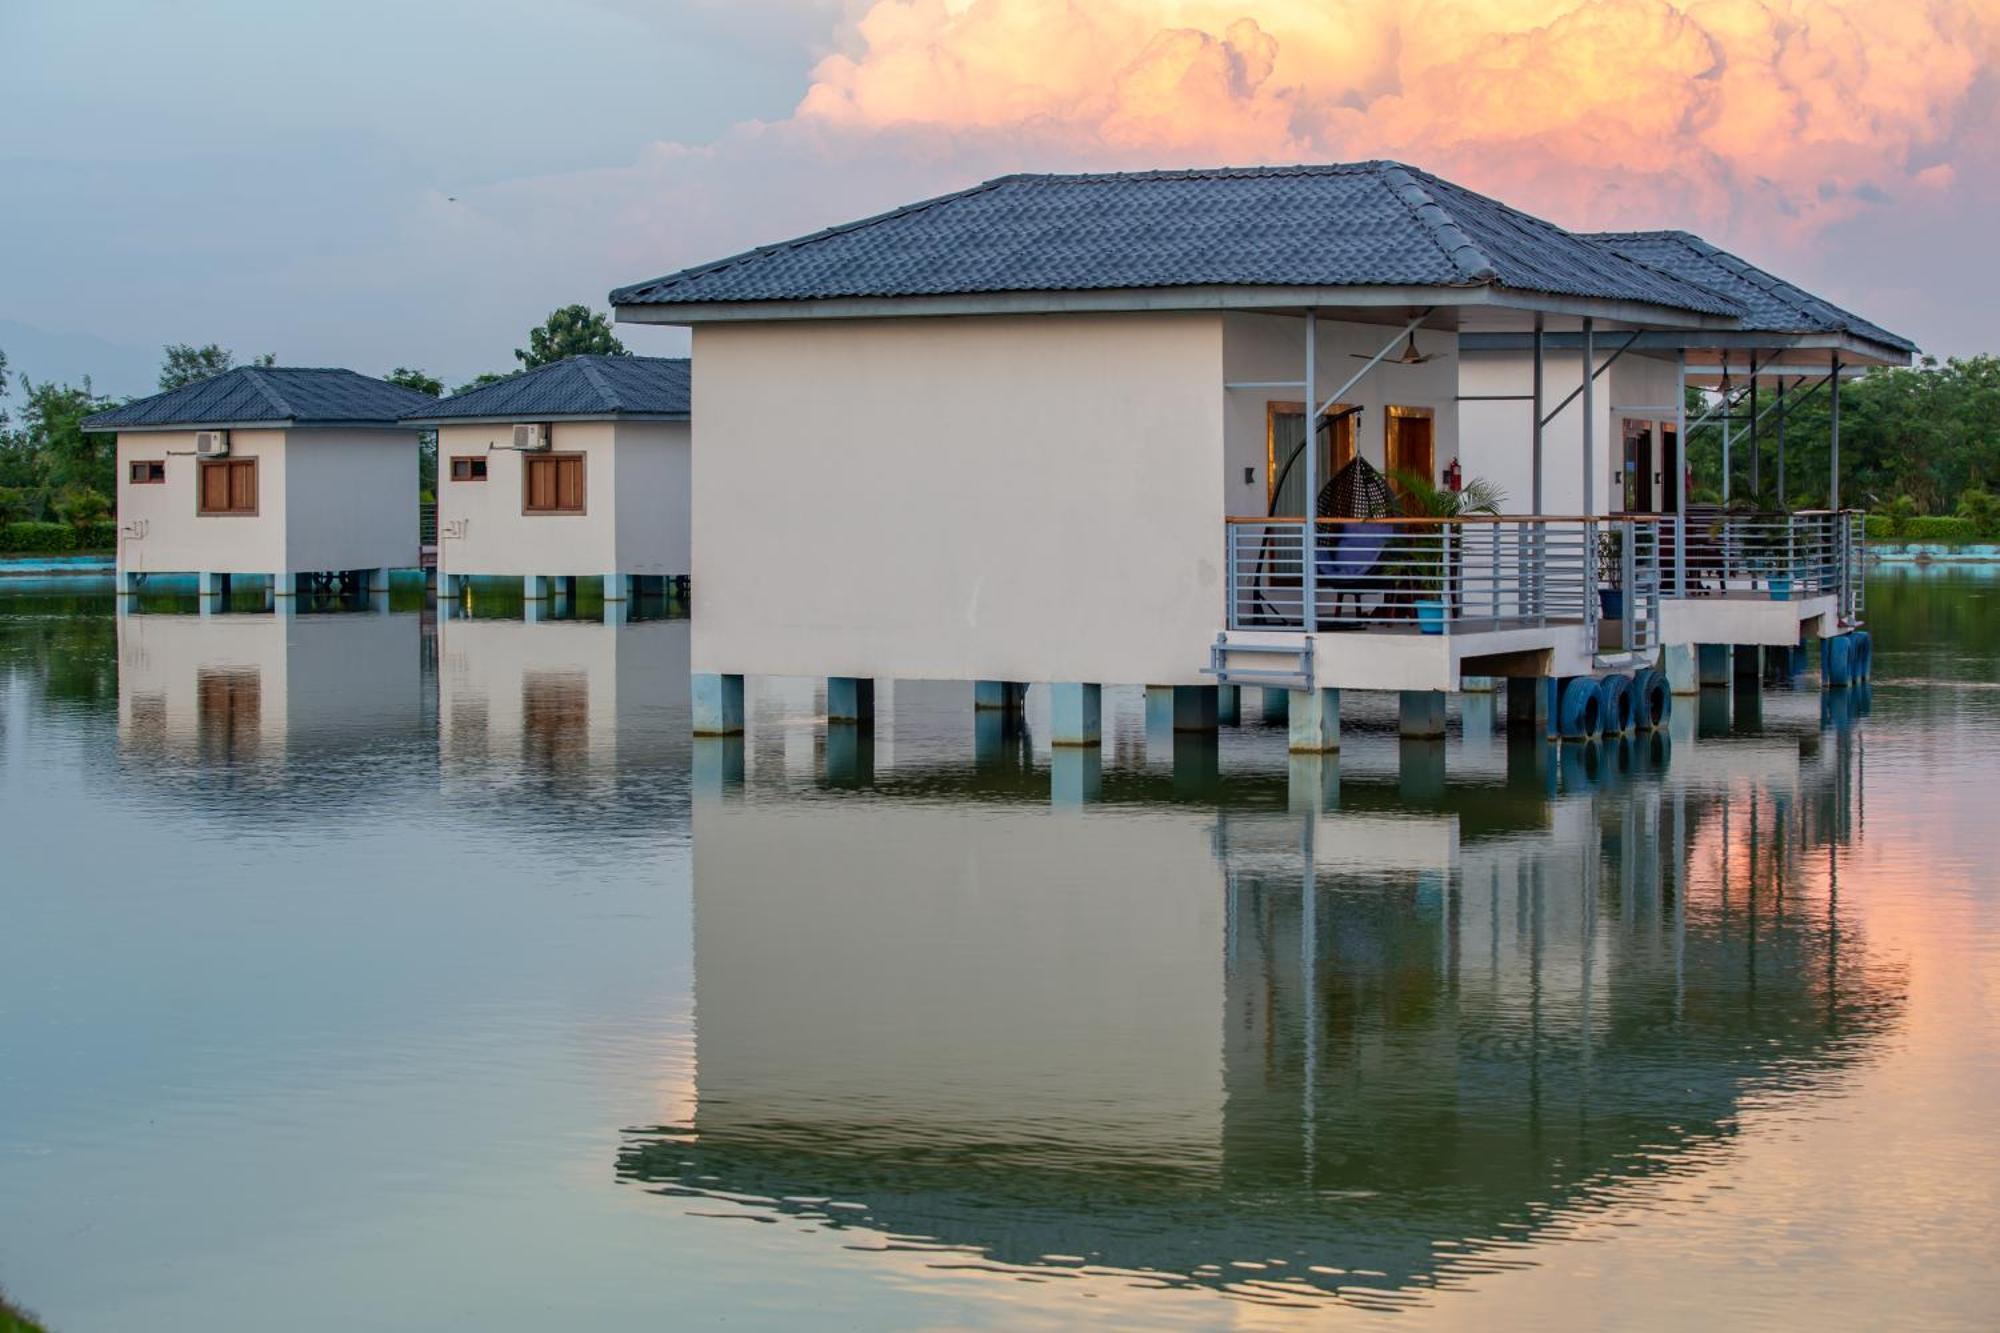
x,y
353,976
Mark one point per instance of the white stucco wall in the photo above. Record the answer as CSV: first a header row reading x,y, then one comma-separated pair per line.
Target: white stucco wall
x,y
159,528
326,500
351,499
1028,498
1263,348
654,523
481,526
1497,438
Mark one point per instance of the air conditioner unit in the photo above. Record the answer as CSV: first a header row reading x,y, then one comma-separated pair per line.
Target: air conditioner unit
x,y
211,444
531,438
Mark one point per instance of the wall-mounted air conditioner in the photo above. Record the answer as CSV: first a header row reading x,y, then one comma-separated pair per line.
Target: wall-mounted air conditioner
x,y
211,444
531,438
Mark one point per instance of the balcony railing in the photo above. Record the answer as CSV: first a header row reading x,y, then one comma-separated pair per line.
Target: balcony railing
x,y
1452,576
1777,557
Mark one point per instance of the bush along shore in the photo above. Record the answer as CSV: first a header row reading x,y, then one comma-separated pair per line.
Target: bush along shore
x,y
100,537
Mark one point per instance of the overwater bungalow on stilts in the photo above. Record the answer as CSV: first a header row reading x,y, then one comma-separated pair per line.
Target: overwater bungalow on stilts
x,y
1054,429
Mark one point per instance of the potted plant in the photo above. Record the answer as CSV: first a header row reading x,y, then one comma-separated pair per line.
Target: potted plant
x,y
1428,568
1611,574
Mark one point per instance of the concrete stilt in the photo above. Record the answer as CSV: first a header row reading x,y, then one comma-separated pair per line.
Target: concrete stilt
x,y
1315,721
997,739
126,583
1197,765
850,699
1420,713
1678,661
1195,708
1478,714
450,587
1075,713
1711,663
372,580
1313,785
616,611
1531,706
1076,773
718,764
1476,684
718,704
999,696
617,587
1749,662
1159,711
1228,705
1277,704
1712,713
214,592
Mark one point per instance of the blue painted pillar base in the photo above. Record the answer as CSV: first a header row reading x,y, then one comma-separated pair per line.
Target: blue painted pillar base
x,y
1478,715
998,740
1420,714
1530,705
1313,781
850,699
1228,705
1314,721
126,582
999,696
1677,661
450,587
850,754
1420,769
1277,704
718,704
372,580
1195,708
1159,712
1836,661
214,592
718,764
1712,663
1075,713
1076,775
616,612
617,587
1475,684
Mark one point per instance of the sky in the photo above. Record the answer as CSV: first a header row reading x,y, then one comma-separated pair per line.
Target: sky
x,y
375,183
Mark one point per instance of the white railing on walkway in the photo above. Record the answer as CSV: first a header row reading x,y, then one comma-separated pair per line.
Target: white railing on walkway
x,y
1778,557
1452,576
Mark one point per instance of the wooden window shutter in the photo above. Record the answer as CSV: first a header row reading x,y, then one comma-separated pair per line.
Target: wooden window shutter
x,y
243,486
215,487
569,483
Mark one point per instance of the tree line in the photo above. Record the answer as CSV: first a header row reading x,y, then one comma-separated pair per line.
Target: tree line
x,y
52,470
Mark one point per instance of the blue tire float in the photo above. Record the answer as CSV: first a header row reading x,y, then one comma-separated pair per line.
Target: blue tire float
x,y
1836,661
1652,700
1617,707
1580,712
1864,655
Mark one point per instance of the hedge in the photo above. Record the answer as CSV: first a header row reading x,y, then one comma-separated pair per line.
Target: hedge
x,y
97,535
1941,528
40,538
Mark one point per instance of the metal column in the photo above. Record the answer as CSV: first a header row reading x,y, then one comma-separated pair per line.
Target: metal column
x,y
1309,574
1589,418
1833,484
1537,509
1683,471
1781,444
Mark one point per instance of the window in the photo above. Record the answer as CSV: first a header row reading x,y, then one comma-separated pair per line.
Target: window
x,y
147,472
228,486
1284,449
468,469
552,484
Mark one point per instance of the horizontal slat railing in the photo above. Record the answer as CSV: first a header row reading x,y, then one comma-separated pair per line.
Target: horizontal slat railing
x,y
1775,556
1443,575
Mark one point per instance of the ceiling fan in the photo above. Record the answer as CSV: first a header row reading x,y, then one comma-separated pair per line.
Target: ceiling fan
x,y
1409,356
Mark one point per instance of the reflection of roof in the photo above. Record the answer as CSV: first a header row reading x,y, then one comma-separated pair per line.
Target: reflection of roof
x,y
1772,305
1362,224
577,386
268,395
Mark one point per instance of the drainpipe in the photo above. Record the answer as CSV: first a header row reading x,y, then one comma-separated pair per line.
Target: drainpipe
x,y
1309,576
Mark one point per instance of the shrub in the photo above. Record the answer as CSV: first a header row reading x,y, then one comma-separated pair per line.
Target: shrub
x,y
1981,509
97,535
38,538
1901,511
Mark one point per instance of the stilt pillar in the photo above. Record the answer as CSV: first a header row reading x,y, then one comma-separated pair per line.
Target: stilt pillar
x,y
850,699
1195,708
1712,663
999,696
718,763
1315,721
1683,676
1420,714
214,591
1228,705
617,587
850,753
1159,711
1531,706
718,704
1749,662
1076,773
1313,785
1420,769
1075,714
1277,704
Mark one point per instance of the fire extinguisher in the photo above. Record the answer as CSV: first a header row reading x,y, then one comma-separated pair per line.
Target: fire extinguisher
x,y
1453,478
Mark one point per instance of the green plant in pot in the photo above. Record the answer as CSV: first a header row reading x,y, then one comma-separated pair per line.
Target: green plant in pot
x,y
1432,560
1611,573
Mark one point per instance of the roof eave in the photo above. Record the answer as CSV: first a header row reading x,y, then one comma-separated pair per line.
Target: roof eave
x,y
1330,300
1861,350
511,418
288,423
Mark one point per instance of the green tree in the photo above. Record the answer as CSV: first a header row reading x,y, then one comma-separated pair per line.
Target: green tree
x,y
185,364
480,381
411,378
573,330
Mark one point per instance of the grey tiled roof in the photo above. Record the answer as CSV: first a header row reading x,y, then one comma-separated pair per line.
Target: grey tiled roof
x,y
1345,225
577,386
255,395
1771,305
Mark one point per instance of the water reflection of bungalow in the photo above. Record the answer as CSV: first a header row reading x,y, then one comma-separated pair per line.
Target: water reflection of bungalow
x,y
287,474
570,697
1169,1040
243,688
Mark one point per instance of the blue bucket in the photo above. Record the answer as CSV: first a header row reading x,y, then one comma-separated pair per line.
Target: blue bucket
x,y
1430,617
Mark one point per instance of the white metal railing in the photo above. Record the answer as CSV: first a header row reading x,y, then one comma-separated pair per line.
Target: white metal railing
x,y
1451,576
1774,556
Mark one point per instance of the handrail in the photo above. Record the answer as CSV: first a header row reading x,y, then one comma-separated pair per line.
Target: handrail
x,y
1463,518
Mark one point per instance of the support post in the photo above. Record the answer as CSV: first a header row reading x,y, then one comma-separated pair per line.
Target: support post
x,y
1420,714
535,588
1309,575
718,764
1075,713
718,704
1076,773
1313,782
617,587
1678,661
1589,418
1277,704
1159,712
1833,443
214,591
1195,708
850,699
998,696
1756,435
1315,721
1728,428
1228,705
1712,663
1536,508
1683,473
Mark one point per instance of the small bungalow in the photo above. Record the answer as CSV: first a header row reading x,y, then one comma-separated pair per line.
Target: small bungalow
x,y
1184,429
303,477
579,467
